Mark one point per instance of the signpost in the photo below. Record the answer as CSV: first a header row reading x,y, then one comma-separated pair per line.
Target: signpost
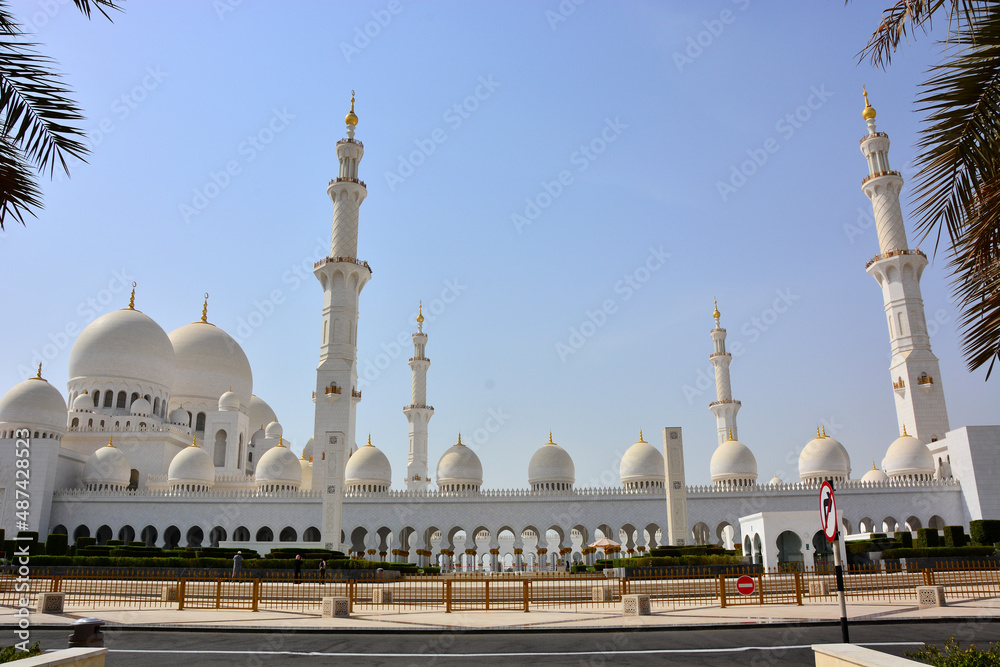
x,y
746,585
831,528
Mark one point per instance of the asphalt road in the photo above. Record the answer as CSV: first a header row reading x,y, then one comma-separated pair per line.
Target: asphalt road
x,y
754,645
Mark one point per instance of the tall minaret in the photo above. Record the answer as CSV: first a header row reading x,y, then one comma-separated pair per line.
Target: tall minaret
x,y
724,407
342,276
915,376
418,413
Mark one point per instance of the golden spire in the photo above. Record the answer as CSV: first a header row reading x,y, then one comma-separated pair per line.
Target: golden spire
x,y
550,439
194,440
369,440
904,429
869,112
817,431
420,312
109,442
131,299
350,118
716,314
640,436
824,430
730,434
204,315
38,376
280,441
460,439
873,465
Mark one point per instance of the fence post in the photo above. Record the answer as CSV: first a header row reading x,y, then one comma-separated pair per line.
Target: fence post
x,y
929,577
527,593
798,588
722,590
254,594
56,584
180,594
218,593
487,595
760,587
447,596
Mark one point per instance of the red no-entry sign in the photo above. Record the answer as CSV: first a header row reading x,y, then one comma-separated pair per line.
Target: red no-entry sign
x,y
746,585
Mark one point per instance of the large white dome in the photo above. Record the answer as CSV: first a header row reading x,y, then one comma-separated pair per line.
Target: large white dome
x,y
824,458
107,468
907,457
123,344
34,404
279,467
642,465
208,362
191,466
733,463
551,467
260,413
459,469
368,469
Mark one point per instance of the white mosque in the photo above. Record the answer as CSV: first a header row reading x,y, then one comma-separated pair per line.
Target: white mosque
x,y
163,440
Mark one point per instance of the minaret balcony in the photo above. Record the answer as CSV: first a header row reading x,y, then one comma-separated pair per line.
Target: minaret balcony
x,y
925,382
724,401
719,354
354,141
878,174
356,394
335,260
417,406
348,179
895,253
869,136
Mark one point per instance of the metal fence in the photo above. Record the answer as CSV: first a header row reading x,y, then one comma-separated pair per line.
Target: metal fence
x,y
692,587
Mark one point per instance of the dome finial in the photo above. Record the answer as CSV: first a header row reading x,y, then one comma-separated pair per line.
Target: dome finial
x,y
281,441
824,430
131,299
640,436
873,465
730,434
869,112
716,314
204,313
369,440
194,440
817,432
38,376
460,438
109,442
904,429
351,118
420,312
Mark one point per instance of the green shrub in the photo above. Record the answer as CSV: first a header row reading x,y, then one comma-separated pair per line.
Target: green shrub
x,y
940,552
57,545
115,543
82,542
94,551
905,539
954,656
580,568
430,569
927,538
954,536
11,653
51,560
984,531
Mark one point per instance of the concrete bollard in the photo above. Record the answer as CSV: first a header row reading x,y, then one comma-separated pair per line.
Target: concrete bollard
x,y
87,633
50,603
336,608
636,605
930,596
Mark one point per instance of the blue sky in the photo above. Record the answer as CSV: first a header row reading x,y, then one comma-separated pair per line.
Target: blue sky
x,y
534,169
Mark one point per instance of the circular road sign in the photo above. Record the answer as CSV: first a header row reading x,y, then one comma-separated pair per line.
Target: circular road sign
x,y
828,511
746,585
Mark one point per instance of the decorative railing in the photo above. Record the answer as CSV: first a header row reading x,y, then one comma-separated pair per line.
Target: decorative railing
x,y
899,385
877,174
350,141
348,179
719,354
725,400
873,134
336,260
925,379
895,253
415,406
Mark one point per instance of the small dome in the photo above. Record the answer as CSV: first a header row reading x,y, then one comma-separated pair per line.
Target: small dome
x,y
260,413
274,430
459,469
874,475
824,458
776,481
123,344
192,465
279,467
180,416
140,407
307,474
368,467
34,403
733,463
107,467
307,451
642,465
229,401
908,457
83,403
209,363
551,466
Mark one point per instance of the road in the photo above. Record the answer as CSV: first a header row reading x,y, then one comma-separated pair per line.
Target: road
x,y
751,644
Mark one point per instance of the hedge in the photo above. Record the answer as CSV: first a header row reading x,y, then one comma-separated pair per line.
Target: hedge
x,y
655,561
984,531
688,550
927,538
940,552
57,545
954,536
82,542
905,539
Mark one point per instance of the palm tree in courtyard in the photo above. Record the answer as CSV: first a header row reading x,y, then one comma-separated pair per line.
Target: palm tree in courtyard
x,y
958,183
36,113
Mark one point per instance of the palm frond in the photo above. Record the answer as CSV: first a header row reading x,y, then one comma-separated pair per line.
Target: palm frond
x,y
907,16
85,7
19,191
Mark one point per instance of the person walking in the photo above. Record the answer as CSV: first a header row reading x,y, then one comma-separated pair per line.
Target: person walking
x,y
237,564
322,570
298,568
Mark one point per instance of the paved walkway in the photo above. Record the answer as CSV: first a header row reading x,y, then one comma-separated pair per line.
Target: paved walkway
x,y
543,619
